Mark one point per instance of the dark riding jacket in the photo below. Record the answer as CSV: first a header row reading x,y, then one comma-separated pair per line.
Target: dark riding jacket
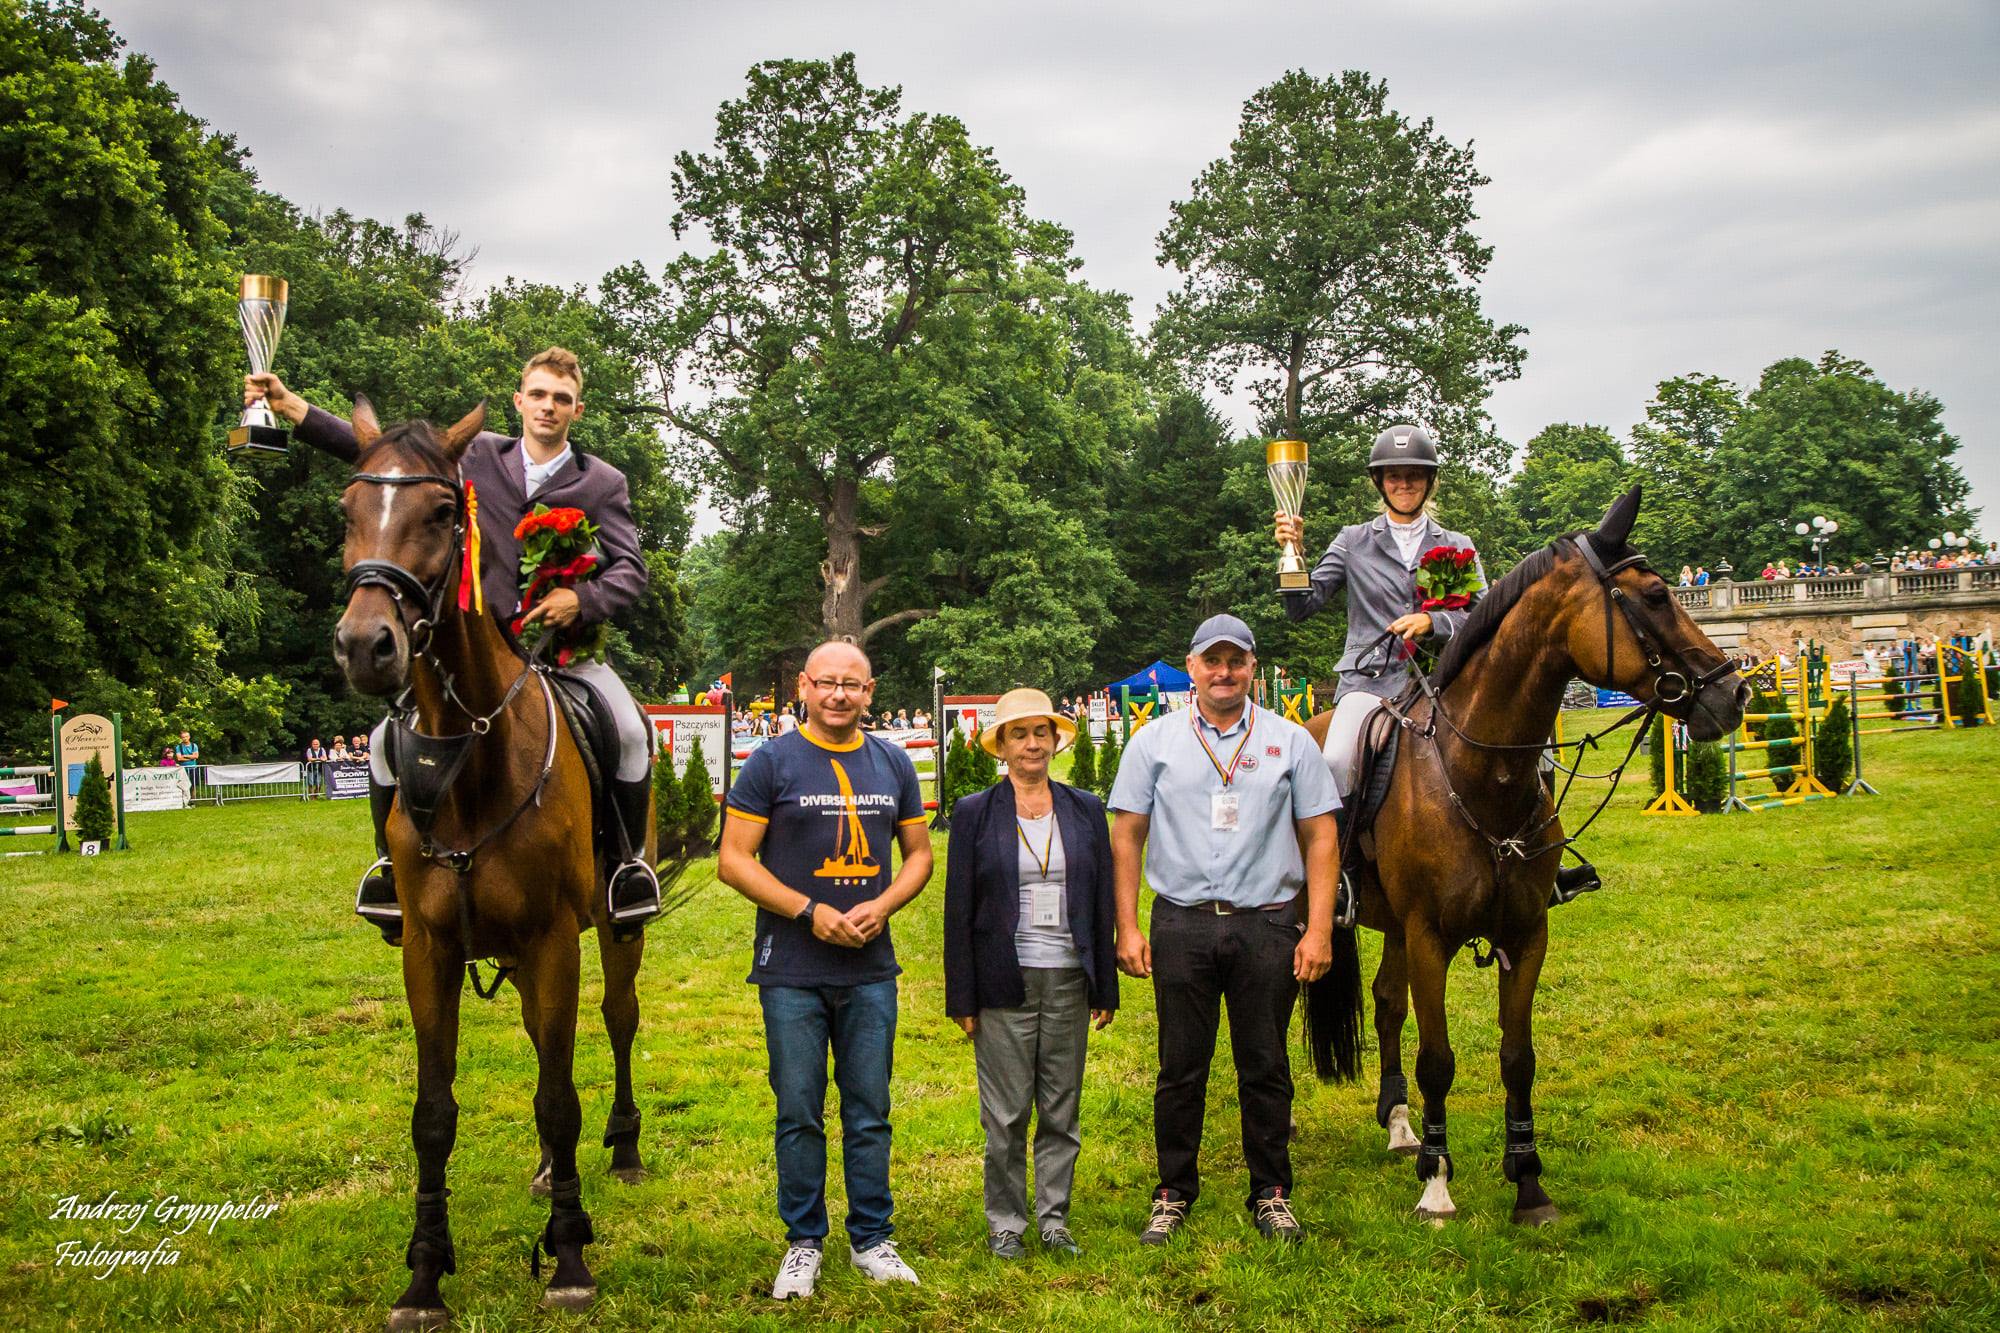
x,y
982,899
493,466
1365,560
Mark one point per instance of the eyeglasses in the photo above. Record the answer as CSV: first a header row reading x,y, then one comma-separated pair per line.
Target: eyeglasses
x,y
838,686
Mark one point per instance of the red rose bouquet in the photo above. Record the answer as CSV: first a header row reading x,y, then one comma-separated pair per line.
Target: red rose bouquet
x,y
1448,578
558,550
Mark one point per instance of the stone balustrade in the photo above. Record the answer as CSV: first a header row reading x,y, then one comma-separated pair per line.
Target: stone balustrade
x,y
1847,612
1883,589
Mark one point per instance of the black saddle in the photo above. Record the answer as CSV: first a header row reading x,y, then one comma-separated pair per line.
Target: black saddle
x,y
596,736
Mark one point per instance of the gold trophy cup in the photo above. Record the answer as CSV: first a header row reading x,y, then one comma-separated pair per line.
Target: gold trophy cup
x,y
1285,465
260,310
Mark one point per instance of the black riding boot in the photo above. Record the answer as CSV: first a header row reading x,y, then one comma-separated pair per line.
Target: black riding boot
x,y
634,892
1346,900
375,901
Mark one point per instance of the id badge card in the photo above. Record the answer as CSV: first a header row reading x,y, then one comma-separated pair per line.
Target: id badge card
x,y
1222,811
1045,905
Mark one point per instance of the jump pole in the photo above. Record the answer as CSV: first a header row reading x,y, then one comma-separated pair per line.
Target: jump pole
x,y
1860,784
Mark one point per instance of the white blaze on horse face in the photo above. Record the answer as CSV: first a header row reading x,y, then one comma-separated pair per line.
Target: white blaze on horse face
x,y
388,501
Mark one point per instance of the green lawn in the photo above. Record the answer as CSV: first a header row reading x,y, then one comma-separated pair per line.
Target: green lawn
x,y
1768,1058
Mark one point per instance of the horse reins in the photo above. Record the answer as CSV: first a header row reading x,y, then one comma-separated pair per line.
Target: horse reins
x,y
1688,686
403,585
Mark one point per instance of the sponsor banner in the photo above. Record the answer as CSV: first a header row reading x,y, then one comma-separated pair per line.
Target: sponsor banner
x,y
677,725
155,789
1852,669
346,780
1615,699
970,712
81,737
246,775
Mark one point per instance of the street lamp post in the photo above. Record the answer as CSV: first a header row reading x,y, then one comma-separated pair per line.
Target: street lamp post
x,y
1821,529
1951,541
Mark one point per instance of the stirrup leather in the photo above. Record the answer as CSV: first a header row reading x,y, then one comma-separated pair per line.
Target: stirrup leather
x,y
390,912
644,910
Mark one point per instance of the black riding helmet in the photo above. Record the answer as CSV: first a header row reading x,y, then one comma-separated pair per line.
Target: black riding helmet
x,y
1403,446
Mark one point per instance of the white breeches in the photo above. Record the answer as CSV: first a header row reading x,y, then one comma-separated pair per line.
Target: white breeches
x,y
1343,736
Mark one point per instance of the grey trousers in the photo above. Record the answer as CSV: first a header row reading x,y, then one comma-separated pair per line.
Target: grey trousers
x,y
1031,1060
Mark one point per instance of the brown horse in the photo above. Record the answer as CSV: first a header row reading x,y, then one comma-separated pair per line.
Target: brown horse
x,y
506,869
1468,838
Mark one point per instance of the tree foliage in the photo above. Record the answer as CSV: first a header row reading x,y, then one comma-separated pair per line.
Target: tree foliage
x,y
1330,257
1570,476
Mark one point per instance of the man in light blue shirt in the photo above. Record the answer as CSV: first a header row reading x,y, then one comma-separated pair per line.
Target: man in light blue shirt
x,y
1238,807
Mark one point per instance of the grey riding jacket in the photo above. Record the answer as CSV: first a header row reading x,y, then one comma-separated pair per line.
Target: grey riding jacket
x,y
1365,560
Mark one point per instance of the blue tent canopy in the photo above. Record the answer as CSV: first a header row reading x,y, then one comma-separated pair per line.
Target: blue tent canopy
x,y
1171,680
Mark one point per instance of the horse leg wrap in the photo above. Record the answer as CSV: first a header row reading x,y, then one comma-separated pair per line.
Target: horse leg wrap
x,y
1432,1156
1521,1159
568,1223
431,1237
1395,1092
619,1125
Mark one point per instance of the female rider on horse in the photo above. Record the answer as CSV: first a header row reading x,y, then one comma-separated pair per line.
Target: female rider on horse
x,y
1376,563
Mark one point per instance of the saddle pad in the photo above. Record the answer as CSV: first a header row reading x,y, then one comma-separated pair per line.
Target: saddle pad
x,y
577,703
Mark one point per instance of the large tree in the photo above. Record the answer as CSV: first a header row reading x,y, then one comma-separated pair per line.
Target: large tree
x,y
116,341
1673,451
1830,438
1330,257
879,341
1569,477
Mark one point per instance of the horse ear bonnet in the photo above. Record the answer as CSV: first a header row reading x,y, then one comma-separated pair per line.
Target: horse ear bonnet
x,y
1614,533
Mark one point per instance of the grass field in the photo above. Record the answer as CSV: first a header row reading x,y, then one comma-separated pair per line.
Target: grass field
x,y
1769,1054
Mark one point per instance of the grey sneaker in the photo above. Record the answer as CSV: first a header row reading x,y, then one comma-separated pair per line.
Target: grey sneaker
x,y
1006,1245
1273,1215
1057,1240
1169,1214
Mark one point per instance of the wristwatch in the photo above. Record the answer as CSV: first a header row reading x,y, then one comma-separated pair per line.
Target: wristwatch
x,y
806,913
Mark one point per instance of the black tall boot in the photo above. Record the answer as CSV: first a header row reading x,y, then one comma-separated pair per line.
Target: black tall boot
x,y
375,901
634,891
1346,898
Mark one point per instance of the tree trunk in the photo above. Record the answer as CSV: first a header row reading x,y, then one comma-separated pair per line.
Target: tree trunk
x,y
843,596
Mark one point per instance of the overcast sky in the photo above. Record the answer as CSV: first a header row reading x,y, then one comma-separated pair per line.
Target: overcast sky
x,y
1676,187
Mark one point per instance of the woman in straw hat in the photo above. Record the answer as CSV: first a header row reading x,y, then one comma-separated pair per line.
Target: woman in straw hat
x,y
1029,962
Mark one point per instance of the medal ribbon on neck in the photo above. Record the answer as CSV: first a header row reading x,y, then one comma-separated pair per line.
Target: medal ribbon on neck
x,y
1228,775
470,595
1048,853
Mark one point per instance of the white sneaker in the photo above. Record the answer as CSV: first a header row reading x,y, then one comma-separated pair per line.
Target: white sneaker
x,y
882,1263
797,1274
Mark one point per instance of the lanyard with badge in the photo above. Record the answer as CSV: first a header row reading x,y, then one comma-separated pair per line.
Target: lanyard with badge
x,y
1223,806
1044,899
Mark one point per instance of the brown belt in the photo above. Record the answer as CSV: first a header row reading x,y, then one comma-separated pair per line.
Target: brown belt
x,y
1218,908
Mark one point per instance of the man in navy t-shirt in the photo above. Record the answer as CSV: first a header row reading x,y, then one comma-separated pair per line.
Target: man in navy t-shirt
x,y
812,817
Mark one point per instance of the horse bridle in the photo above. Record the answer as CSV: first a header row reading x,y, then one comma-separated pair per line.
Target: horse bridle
x,y
1686,687
1686,683
403,586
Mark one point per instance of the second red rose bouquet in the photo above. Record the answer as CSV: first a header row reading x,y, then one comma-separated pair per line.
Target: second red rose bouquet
x,y
1448,578
558,550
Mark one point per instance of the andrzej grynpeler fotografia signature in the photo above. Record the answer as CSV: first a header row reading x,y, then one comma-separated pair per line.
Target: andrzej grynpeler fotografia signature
x,y
169,1213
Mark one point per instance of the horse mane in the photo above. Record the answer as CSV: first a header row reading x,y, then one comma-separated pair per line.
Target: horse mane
x,y
417,437
1483,621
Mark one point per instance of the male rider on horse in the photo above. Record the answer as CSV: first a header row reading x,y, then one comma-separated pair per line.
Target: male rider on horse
x,y
1377,562
511,476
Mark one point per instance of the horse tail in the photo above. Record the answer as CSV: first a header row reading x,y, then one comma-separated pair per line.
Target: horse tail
x,y
1333,1013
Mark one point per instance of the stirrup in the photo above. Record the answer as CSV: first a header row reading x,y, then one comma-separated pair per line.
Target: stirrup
x,y
1346,903
1583,878
639,912
385,917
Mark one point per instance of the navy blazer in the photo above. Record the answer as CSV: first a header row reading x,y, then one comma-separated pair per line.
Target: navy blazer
x,y
982,899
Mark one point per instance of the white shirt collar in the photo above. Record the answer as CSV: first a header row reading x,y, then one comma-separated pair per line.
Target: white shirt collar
x,y
535,475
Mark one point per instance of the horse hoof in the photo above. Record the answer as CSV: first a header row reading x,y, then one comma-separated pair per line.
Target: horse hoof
x,y
568,1298
1539,1216
417,1316
629,1175
1401,1139
1436,1207
1436,1219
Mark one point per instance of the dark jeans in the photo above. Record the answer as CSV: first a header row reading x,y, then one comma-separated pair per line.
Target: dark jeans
x,y
1199,961
858,1024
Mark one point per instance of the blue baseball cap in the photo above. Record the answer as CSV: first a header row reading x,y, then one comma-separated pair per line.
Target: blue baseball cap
x,y
1222,629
